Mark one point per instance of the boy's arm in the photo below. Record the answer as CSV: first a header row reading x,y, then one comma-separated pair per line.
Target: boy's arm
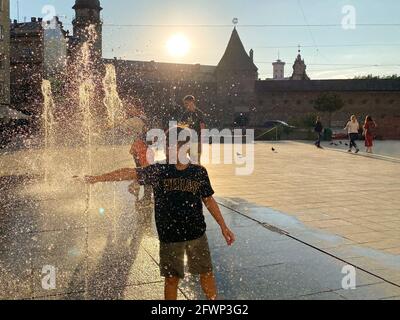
x,y
213,207
118,175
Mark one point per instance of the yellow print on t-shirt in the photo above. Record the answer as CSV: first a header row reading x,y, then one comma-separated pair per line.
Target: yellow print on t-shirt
x,y
180,184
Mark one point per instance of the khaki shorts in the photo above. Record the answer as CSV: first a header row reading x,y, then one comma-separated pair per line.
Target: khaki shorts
x,y
172,262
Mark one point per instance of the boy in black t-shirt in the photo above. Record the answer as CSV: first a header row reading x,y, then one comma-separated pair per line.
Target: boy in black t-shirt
x,y
179,191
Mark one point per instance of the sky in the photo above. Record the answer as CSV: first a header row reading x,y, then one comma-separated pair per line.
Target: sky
x,y
368,43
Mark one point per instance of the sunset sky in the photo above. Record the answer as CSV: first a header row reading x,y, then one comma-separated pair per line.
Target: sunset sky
x,y
140,30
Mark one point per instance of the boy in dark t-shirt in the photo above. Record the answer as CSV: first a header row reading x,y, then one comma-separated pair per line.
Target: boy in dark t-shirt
x,y
179,191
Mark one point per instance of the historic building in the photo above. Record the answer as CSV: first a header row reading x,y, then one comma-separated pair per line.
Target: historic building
x,y
4,53
87,27
292,100
299,69
230,93
278,70
38,51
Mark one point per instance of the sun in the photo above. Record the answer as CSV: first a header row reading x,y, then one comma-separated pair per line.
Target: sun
x,y
178,45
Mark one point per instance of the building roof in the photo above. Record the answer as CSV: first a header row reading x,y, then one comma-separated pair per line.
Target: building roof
x,y
327,85
163,71
87,4
235,56
277,62
22,27
162,65
35,27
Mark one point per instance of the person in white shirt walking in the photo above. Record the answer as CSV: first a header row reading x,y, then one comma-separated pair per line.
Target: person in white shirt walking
x,y
353,128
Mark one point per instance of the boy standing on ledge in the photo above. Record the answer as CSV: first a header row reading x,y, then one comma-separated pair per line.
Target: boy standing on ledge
x,y
179,190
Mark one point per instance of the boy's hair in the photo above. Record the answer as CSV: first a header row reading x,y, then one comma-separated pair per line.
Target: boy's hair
x,y
189,98
175,132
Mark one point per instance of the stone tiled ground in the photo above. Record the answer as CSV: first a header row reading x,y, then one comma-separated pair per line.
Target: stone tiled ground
x,y
327,202
352,197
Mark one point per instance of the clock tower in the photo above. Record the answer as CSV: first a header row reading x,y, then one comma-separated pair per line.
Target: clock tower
x,y
87,24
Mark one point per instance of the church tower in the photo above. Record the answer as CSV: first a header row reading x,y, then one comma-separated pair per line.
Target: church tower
x,y
299,69
236,76
87,13
279,69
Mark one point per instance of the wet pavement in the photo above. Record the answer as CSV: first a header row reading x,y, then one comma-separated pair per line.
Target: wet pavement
x,y
344,204
102,244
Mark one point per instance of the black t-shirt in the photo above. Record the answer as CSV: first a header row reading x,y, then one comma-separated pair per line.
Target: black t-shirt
x,y
178,200
193,120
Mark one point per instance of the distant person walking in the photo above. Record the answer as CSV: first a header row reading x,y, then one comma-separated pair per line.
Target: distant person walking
x,y
193,119
369,133
318,130
353,128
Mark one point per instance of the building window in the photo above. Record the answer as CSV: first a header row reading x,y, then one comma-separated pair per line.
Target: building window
x,y
1,32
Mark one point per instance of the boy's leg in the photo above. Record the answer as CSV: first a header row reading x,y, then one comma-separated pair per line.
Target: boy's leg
x,y
199,263
209,286
171,288
172,267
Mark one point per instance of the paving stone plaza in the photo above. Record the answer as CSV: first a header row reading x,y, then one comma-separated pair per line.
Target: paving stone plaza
x,y
301,219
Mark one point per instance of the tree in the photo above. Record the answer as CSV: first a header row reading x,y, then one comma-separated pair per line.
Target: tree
x,y
329,103
372,77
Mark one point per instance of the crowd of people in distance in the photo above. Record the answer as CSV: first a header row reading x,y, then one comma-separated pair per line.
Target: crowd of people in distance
x,y
353,129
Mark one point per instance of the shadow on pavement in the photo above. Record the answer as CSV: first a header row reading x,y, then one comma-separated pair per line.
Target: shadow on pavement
x,y
108,279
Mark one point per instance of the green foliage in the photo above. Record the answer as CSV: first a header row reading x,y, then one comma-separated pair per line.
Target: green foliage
x,y
309,120
329,103
372,77
306,121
